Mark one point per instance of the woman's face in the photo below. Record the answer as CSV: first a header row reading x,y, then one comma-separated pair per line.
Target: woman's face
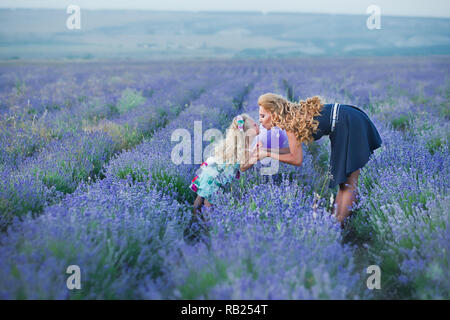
x,y
265,118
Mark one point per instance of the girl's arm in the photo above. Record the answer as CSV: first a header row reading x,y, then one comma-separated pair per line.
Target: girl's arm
x,y
294,157
250,163
250,159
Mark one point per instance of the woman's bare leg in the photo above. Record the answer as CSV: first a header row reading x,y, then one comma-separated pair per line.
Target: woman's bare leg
x,y
347,196
336,201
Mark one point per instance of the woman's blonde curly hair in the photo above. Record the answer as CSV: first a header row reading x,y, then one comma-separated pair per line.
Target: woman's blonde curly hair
x,y
296,117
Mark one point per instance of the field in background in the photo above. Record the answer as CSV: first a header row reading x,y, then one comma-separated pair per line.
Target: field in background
x,y
149,35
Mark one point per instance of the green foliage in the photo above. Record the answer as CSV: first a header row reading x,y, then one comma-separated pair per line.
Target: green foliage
x,y
52,107
199,282
129,100
401,123
53,179
20,87
129,137
137,174
434,144
172,182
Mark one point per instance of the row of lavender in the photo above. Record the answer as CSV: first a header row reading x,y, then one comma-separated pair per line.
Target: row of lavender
x,y
108,227
403,217
80,96
127,234
404,209
90,99
84,136
402,220
265,241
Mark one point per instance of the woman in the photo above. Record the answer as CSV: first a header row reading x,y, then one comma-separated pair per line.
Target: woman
x,y
352,134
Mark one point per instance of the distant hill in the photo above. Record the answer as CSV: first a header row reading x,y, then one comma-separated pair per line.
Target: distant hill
x,y
42,34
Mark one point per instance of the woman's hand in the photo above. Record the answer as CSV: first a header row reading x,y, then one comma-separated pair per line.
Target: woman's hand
x,y
258,145
260,152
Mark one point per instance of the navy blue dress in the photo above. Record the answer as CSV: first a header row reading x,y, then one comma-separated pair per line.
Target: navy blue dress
x,y
353,140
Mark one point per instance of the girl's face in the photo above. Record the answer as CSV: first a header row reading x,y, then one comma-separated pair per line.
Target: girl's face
x,y
253,126
265,118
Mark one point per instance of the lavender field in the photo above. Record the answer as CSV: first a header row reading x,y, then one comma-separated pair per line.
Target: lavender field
x,y
88,180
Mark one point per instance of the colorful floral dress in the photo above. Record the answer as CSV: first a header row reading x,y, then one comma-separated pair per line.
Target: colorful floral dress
x,y
211,176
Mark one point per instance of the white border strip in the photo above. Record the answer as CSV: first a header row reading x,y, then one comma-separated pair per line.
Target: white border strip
x,y
334,117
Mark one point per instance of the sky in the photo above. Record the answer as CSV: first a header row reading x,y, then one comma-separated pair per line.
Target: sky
x,y
421,8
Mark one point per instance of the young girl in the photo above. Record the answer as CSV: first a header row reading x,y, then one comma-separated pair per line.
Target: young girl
x,y
231,155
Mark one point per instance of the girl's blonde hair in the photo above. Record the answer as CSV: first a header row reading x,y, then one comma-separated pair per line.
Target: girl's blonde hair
x,y
296,117
234,147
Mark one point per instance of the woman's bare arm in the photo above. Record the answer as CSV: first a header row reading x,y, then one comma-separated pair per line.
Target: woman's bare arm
x,y
280,151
